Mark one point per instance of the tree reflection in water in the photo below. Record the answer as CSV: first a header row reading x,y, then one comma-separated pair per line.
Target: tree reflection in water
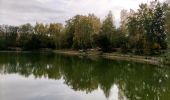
x,y
134,81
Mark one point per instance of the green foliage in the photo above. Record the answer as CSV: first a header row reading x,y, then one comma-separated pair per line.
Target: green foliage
x,y
168,24
2,43
8,36
80,30
108,28
147,29
37,37
39,41
25,33
41,29
118,38
141,32
55,32
105,37
103,42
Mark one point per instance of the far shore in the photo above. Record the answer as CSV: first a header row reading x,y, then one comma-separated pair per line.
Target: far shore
x,y
113,56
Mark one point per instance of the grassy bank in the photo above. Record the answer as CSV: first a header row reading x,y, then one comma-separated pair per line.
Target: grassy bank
x,y
116,56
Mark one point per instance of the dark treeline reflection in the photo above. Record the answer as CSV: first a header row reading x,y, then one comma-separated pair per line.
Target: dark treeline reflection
x,y
135,81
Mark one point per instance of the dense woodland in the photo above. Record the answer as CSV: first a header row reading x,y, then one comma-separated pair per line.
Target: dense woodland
x,y
144,31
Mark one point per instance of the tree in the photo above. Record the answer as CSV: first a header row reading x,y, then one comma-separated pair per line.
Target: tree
x,y
124,14
147,28
135,33
11,36
25,33
103,42
69,32
159,25
80,30
83,31
43,35
2,38
41,29
108,27
106,35
96,26
35,37
168,23
55,32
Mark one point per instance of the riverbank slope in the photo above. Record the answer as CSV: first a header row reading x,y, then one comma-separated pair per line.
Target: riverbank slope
x,y
115,56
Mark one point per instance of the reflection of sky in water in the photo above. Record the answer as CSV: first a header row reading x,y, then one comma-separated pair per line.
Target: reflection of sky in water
x,y
16,87
37,76
114,93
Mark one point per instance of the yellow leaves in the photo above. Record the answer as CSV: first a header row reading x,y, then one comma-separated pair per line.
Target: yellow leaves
x,y
156,46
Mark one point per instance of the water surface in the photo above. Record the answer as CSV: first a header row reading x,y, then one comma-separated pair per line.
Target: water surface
x,y
48,76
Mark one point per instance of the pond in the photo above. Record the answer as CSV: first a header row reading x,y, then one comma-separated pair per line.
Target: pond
x,y
48,76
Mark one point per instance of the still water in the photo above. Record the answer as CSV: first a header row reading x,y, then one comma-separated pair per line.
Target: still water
x,y
48,76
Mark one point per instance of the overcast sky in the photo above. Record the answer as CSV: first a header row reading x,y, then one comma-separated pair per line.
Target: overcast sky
x,y
17,12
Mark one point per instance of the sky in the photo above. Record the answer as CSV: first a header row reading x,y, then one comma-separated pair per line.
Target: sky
x,y
17,12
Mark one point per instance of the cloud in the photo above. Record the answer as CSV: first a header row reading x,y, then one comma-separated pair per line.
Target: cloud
x,y
16,12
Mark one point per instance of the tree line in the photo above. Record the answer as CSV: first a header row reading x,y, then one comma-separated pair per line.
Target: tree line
x,y
144,31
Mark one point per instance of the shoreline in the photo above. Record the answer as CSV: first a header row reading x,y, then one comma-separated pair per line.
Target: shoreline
x,y
112,56
115,56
